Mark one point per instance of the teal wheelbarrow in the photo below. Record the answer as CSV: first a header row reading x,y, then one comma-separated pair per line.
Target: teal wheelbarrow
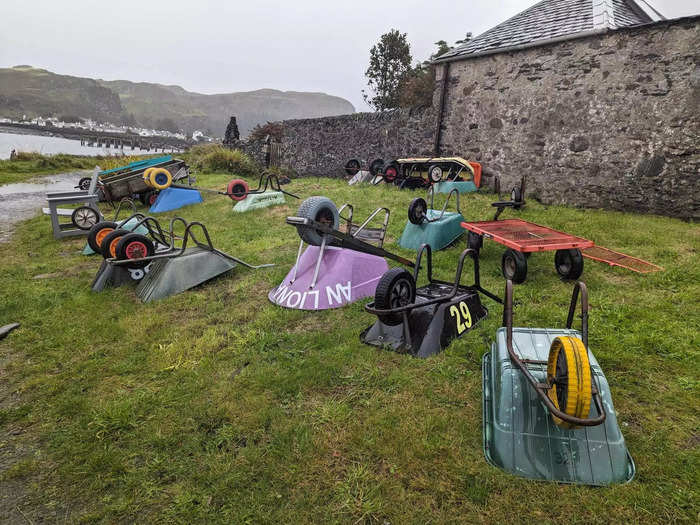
x,y
547,407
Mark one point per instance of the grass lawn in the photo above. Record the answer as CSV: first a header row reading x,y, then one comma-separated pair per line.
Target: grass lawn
x,y
215,406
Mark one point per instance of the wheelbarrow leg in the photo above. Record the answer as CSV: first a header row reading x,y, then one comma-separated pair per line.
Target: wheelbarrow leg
x,y
318,262
296,265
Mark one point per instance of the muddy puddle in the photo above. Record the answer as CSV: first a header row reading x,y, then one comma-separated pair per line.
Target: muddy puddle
x,y
23,200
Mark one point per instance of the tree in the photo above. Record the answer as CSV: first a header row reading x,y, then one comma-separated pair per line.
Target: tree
x,y
419,84
389,63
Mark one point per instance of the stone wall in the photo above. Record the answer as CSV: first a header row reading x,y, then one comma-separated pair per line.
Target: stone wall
x,y
607,121
322,146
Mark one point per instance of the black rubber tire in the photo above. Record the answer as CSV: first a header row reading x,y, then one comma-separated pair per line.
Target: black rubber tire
x,y
475,241
84,217
91,238
438,170
123,252
104,248
145,197
376,167
395,288
392,171
514,266
84,183
320,209
417,210
569,263
352,167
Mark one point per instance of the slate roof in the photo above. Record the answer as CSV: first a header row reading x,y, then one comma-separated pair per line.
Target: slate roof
x,y
557,19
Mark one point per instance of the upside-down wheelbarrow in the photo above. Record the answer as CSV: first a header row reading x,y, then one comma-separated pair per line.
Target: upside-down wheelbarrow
x,y
162,263
423,321
547,407
426,225
338,267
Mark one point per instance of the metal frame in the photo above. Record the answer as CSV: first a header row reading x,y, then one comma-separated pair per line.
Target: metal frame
x,y
171,250
455,285
431,195
271,181
350,239
543,388
87,198
563,240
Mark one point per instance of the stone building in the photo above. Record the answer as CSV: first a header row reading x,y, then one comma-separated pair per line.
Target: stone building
x,y
597,101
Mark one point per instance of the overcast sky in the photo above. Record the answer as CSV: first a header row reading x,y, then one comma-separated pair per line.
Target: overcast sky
x,y
221,46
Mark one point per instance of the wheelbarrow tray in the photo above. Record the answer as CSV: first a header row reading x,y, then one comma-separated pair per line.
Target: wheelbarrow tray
x,y
124,183
525,236
519,434
433,326
438,234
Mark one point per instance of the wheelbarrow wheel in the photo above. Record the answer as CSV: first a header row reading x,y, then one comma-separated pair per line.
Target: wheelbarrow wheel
x,y
475,241
319,209
147,176
417,210
135,246
160,178
98,232
237,189
84,183
569,378
514,266
376,167
352,167
569,263
148,198
84,217
391,171
108,246
435,173
396,288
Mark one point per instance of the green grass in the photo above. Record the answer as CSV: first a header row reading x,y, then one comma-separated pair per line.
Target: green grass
x,y
215,406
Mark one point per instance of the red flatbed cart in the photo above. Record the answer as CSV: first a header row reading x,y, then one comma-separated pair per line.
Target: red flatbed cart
x,y
523,238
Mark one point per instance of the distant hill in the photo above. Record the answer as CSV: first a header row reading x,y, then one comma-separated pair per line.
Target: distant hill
x,y
25,90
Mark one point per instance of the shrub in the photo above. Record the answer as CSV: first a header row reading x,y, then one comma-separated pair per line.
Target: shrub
x,y
211,158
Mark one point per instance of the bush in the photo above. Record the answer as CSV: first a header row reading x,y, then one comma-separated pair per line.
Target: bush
x,y
212,158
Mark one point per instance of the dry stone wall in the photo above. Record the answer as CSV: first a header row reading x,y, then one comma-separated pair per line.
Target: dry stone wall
x,y
609,121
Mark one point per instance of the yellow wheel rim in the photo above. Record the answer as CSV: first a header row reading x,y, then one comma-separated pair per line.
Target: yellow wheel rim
x,y
147,176
160,178
569,377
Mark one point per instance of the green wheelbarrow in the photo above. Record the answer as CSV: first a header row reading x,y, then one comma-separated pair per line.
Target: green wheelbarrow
x,y
547,407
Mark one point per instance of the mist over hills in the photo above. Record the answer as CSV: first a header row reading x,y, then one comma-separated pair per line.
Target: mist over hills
x,y
25,90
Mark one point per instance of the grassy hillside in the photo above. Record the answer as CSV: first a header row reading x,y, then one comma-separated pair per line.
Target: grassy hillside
x,y
216,406
30,91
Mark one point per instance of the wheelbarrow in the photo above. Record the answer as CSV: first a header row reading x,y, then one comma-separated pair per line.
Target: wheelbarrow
x,y
339,266
426,225
161,262
547,407
423,321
